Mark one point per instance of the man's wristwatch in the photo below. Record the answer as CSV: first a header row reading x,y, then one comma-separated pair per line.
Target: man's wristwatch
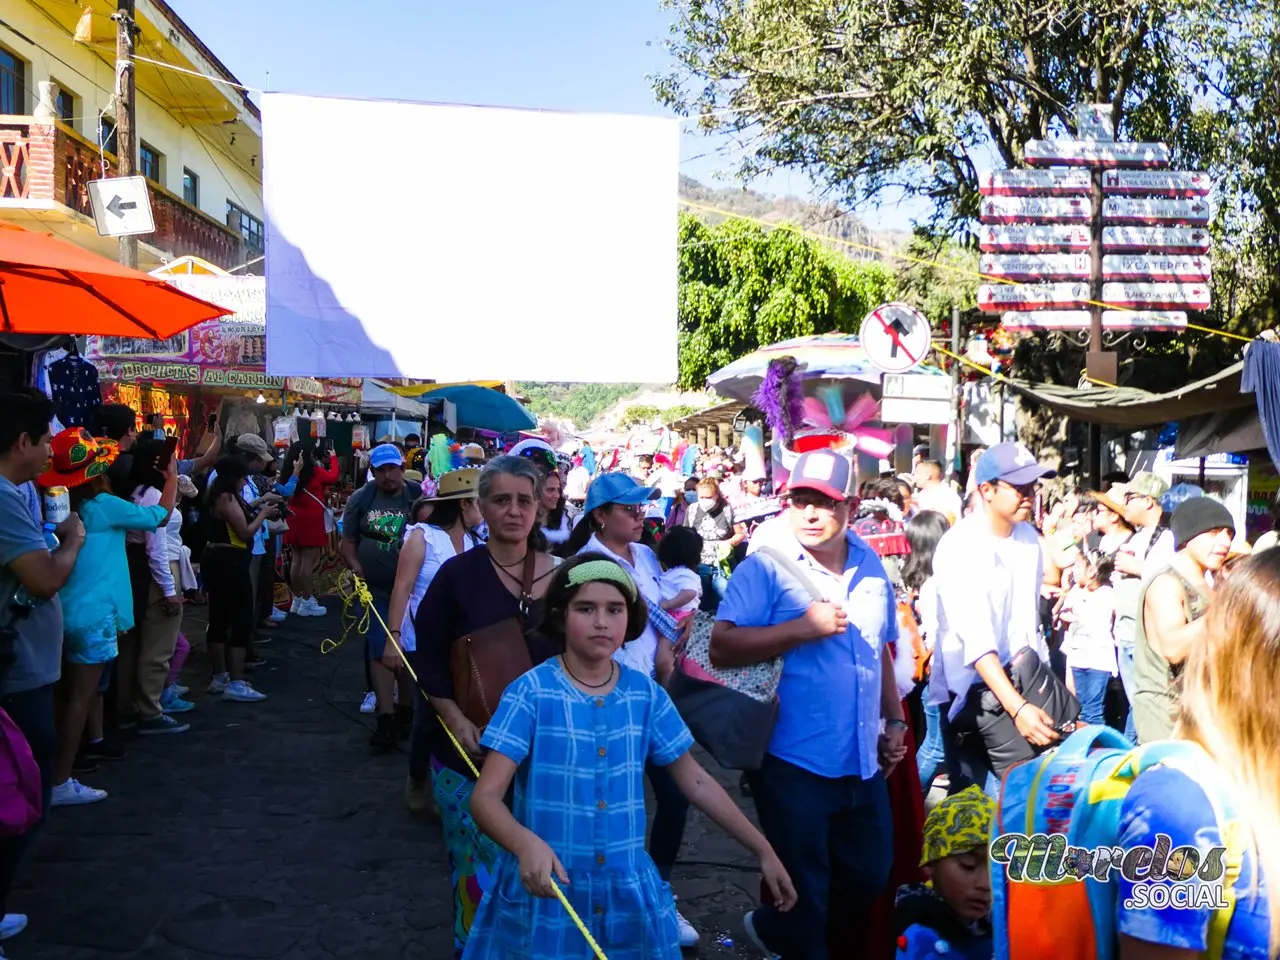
x,y
894,723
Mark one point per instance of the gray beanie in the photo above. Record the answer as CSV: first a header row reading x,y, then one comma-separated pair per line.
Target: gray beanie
x,y
1199,515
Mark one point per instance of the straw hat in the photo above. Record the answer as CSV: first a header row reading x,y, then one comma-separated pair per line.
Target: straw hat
x,y
78,458
1113,499
458,484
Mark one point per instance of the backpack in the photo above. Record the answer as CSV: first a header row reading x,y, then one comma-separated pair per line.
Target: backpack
x,y
20,800
1077,790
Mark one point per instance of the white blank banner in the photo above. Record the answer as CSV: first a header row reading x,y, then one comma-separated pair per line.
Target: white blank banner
x,y
468,243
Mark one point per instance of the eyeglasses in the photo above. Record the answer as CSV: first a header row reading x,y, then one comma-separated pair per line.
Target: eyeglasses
x,y
802,501
635,509
1130,497
1027,490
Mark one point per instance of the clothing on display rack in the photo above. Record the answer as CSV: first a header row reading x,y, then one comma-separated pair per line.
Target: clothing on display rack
x,y
73,387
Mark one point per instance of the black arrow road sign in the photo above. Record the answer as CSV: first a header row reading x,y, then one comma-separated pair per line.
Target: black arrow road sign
x,y
118,206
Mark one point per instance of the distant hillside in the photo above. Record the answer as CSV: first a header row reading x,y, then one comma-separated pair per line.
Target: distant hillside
x,y
826,219
579,403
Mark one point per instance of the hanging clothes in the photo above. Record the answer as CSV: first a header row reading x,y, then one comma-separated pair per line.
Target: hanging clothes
x,y
73,383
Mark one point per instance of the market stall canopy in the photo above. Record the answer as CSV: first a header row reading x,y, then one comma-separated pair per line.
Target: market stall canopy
x,y
1135,409
376,398
414,389
1230,431
50,286
710,417
484,409
824,356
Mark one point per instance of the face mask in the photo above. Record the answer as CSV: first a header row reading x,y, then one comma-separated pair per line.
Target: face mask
x,y
705,503
691,496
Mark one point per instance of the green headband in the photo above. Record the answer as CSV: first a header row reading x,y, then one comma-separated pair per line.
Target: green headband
x,y
602,571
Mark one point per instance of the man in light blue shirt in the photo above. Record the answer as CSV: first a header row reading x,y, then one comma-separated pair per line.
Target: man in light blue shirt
x,y
820,793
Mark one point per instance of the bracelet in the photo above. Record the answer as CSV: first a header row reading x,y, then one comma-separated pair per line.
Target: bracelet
x,y
395,633
1019,710
899,724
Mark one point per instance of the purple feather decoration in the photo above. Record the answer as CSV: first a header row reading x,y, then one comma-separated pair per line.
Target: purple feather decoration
x,y
780,397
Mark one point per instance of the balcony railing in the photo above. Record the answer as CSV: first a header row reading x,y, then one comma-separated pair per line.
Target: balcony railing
x,y
42,161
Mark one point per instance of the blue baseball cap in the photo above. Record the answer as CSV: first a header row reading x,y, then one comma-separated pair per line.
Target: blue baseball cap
x,y
824,471
617,488
1011,462
385,454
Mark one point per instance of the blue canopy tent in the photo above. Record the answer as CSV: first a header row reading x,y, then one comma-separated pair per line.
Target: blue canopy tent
x,y
483,409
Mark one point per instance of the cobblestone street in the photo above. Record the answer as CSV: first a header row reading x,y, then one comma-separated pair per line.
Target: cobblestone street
x,y
269,831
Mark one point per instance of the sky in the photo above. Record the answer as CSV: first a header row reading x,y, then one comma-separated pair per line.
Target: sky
x,y
579,55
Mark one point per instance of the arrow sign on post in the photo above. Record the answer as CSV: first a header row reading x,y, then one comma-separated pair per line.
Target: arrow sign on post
x,y
121,206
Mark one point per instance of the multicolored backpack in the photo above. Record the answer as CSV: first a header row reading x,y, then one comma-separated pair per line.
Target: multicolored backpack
x,y
1076,790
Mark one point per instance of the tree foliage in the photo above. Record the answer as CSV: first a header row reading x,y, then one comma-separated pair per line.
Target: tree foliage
x,y
743,286
580,403
880,98
639,415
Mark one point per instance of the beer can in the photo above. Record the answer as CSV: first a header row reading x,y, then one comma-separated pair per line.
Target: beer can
x,y
57,504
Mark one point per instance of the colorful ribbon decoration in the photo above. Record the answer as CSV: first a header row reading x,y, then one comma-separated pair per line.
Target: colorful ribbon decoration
x,y
359,591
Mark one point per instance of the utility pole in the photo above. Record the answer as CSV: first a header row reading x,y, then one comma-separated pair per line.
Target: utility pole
x,y
955,441
125,95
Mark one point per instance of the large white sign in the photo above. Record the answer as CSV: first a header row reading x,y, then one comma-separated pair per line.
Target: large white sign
x,y
1027,266
1025,239
1194,210
1023,183
997,297
475,245
1155,267
1162,183
1095,153
1036,210
1156,296
1164,239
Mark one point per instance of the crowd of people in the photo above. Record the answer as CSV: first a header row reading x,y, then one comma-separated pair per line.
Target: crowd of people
x,y
540,611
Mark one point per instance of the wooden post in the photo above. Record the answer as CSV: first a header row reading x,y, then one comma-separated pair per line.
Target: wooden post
x,y
125,97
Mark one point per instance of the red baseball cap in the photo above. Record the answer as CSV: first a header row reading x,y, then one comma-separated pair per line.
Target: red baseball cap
x,y
824,471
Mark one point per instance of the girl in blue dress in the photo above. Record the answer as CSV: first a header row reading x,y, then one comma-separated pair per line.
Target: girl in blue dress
x,y
574,734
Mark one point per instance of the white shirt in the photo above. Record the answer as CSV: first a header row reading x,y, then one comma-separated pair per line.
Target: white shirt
x,y
1090,643
576,483
641,652
675,582
438,549
988,599
1159,556
558,535
941,499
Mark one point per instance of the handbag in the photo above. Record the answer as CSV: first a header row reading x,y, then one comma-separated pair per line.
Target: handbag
x,y
483,663
330,521
730,710
984,715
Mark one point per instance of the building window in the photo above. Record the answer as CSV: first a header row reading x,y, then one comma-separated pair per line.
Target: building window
x,y
13,84
66,106
249,227
107,134
149,159
190,187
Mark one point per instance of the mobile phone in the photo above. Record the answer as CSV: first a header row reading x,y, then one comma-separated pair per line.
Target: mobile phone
x,y
1065,728
170,446
213,420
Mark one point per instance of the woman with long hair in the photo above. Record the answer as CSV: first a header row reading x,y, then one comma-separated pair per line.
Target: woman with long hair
x,y
226,564
924,530
479,588
307,535
97,600
446,532
555,522
1230,708
613,524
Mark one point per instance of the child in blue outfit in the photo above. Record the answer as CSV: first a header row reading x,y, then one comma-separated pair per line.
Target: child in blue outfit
x,y
574,734
950,916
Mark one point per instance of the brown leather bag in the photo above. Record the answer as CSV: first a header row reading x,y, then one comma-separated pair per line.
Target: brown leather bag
x,y
482,664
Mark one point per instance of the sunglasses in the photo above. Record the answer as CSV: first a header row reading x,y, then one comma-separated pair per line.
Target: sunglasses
x,y
1022,489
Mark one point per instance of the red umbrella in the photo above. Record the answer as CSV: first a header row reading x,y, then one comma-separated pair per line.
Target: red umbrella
x,y
50,286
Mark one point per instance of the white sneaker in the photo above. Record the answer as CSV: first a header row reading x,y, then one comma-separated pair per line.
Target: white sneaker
x,y
749,924
296,606
369,703
219,684
240,691
12,925
73,793
689,936
311,607
277,615
179,690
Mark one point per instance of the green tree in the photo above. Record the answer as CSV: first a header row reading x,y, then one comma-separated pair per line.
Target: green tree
x,y
743,286
639,415
581,403
679,412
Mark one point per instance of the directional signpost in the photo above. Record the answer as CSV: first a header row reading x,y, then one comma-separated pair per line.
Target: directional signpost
x,y
1098,235
896,337
121,206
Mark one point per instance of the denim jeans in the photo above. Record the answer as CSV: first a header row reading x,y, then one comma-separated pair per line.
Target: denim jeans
x,y
32,712
1091,691
1124,655
835,837
671,810
930,757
